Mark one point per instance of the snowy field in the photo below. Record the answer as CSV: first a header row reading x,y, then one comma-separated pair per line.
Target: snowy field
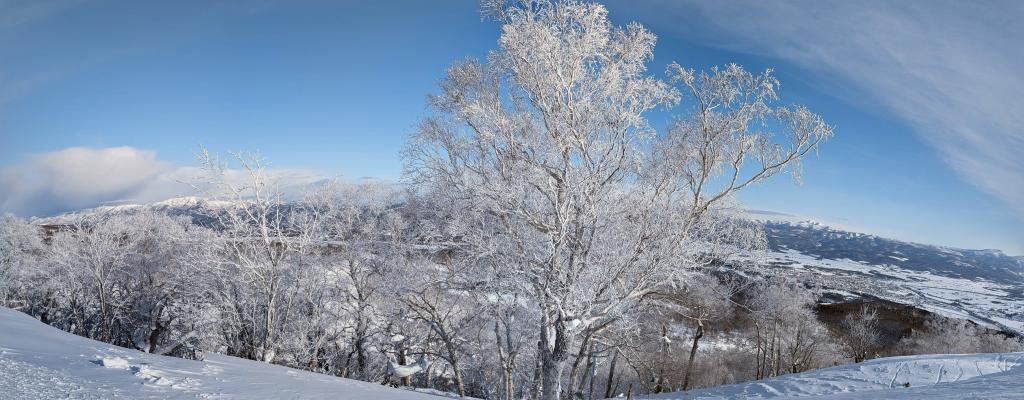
x,y
41,362
933,377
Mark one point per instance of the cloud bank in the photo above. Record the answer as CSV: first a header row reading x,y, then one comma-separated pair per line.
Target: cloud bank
x,y
76,178
950,69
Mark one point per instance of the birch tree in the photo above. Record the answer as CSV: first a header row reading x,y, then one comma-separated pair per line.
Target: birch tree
x,y
549,136
860,333
21,250
261,245
362,234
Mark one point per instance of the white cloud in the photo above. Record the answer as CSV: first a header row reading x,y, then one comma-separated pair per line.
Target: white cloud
x,y
951,69
77,177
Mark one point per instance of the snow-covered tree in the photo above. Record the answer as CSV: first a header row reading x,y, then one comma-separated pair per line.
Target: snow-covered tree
x,y
21,252
706,300
162,287
788,336
549,138
860,333
262,251
941,335
362,246
91,257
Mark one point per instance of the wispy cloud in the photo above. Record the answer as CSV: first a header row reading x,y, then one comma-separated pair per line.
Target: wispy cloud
x,y
22,12
951,69
77,177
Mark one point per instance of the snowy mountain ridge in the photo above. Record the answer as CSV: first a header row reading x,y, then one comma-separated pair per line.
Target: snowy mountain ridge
x,y
197,208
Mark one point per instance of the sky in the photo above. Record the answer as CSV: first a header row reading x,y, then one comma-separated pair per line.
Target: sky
x,y
109,101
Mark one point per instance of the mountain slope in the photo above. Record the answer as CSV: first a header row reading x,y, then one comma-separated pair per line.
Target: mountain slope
x,y
41,362
985,286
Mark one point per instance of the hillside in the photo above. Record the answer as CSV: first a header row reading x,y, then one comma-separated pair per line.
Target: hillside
x,y
933,377
985,286
41,362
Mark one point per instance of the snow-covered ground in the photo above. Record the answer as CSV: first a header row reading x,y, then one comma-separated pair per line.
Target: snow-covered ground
x,y
932,377
41,362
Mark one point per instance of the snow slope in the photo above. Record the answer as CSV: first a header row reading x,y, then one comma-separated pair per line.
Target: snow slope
x,y
41,362
932,377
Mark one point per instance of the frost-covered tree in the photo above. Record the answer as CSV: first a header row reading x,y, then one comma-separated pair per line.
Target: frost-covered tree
x,y
127,279
164,282
21,252
706,300
438,294
549,138
860,334
362,246
787,334
92,256
941,335
263,252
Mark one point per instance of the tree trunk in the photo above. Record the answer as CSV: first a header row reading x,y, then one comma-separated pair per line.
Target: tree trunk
x,y
538,366
507,380
403,359
506,356
660,387
268,344
574,388
553,357
586,372
611,374
154,336
778,352
693,353
453,359
360,357
591,374
551,385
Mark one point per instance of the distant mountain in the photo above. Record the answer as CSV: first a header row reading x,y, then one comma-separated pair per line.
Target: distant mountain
x,y
986,286
201,211
824,242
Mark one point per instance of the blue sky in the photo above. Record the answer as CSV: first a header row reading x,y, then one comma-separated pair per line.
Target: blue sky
x,y
106,101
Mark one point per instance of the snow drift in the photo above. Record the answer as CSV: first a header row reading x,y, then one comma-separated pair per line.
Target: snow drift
x,y
933,377
41,362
